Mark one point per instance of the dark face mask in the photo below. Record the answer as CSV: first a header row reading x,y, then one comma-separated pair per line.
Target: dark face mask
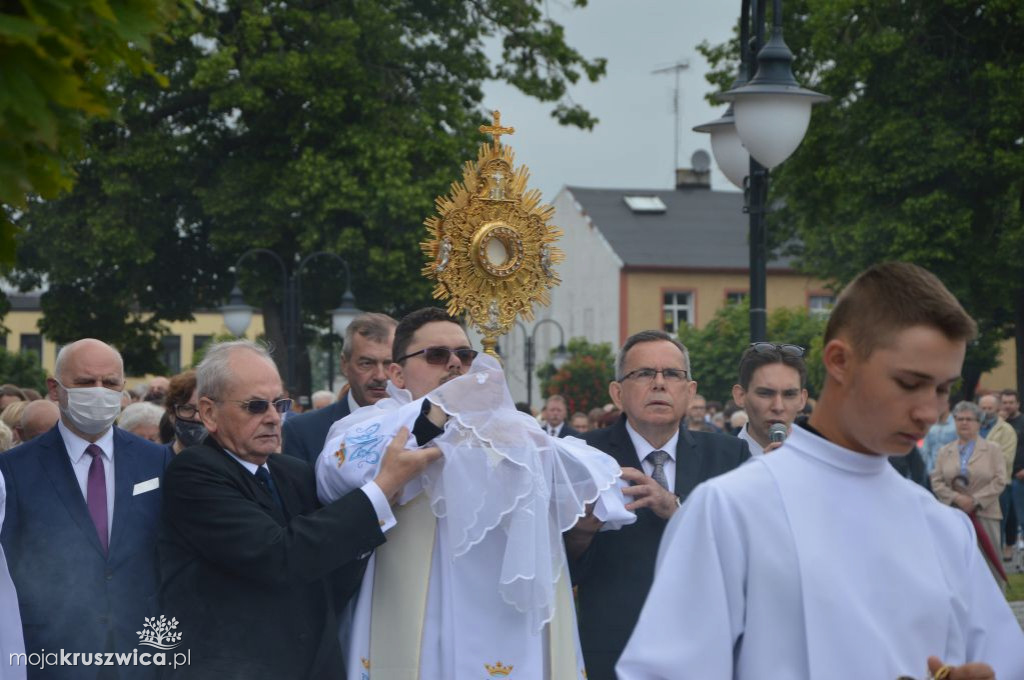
x,y
189,433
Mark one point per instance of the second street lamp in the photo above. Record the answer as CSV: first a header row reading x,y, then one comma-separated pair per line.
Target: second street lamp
x,y
237,314
770,113
529,352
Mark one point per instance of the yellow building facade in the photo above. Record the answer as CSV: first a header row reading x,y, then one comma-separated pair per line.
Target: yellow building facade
x,y
179,345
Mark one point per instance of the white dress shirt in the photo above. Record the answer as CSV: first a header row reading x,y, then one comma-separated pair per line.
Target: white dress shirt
x,y
755,448
80,462
644,447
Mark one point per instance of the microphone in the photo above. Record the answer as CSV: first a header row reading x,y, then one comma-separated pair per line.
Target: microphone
x,y
777,432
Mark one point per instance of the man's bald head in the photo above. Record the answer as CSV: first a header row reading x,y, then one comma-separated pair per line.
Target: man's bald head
x,y
38,417
87,351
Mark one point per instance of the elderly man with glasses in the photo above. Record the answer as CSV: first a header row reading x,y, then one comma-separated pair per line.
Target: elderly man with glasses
x,y
253,569
613,570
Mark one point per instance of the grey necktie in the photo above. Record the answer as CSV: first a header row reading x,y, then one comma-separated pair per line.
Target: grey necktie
x,y
657,459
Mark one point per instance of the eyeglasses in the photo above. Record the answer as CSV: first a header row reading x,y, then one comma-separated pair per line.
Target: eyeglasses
x,y
438,356
186,411
260,406
965,419
648,374
785,350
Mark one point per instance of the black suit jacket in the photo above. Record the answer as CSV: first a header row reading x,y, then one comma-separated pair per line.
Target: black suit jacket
x,y
72,596
568,431
614,575
252,588
305,434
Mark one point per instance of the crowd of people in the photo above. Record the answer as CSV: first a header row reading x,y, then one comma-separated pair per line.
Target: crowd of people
x,y
419,524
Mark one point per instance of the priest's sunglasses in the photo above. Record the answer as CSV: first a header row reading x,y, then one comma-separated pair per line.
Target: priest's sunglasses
x,y
785,350
438,356
670,375
260,406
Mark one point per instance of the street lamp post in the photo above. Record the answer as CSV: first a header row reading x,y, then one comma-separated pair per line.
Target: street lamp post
x,y
237,314
767,118
529,352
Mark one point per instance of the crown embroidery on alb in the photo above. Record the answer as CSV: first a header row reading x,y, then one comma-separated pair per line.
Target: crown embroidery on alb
x,y
498,670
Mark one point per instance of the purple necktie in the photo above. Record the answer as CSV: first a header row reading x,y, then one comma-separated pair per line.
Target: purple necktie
x,y
96,493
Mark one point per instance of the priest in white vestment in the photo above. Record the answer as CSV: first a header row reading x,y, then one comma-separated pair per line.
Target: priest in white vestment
x,y
820,560
473,580
11,639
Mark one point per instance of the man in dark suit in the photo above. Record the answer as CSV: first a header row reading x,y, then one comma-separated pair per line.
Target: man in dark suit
x,y
663,463
83,502
364,363
251,567
556,410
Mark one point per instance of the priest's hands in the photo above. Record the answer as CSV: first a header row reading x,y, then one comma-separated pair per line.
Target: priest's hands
x,y
969,671
647,493
401,465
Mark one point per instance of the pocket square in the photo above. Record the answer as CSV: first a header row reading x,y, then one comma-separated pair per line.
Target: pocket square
x,y
148,485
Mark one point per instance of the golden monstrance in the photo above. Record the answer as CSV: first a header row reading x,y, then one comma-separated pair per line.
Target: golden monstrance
x,y
491,248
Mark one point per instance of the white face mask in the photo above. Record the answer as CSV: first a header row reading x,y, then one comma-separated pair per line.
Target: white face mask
x,y
91,409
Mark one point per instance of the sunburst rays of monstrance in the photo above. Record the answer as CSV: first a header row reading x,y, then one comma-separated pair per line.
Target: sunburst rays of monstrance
x,y
490,247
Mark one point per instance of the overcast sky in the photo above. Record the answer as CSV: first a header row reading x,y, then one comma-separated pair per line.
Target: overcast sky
x,y
631,147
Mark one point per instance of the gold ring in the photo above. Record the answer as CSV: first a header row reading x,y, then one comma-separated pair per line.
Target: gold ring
x,y
942,673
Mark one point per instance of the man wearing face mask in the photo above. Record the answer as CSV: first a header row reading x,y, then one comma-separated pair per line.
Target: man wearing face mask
x,y
83,502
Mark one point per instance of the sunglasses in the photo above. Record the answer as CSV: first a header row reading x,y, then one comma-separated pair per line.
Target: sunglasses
x,y
438,356
260,406
785,350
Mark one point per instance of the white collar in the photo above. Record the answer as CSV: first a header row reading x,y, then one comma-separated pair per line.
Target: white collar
x,y
352,405
644,447
755,448
251,467
833,455
76,446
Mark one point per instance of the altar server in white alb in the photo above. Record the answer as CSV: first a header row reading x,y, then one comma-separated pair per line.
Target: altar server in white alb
x,y
820,560
11,641
472,581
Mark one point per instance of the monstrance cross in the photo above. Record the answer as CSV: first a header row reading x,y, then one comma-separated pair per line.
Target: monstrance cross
x,y
496,130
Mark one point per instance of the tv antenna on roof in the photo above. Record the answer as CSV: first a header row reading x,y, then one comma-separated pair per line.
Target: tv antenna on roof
x,y
681,65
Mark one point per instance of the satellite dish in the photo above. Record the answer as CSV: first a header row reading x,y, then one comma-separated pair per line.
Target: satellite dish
x,y
700,161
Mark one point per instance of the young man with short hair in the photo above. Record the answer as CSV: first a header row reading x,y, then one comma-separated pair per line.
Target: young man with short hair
x,y
772,390
820,561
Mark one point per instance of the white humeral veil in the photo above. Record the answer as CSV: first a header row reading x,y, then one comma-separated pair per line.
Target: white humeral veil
x,y
11,640
474,574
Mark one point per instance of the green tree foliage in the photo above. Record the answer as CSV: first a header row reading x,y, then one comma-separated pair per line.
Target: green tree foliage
x,y
715,350
583,379
919,157
293,126
56,59
23,370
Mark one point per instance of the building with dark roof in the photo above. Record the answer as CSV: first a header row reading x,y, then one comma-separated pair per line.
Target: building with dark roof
x,y
638,259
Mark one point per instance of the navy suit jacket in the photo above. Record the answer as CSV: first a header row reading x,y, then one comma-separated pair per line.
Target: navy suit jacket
x,y
305,434
615,574
71,595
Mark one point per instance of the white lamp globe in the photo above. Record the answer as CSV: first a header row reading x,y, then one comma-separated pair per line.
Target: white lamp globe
x,y
771,126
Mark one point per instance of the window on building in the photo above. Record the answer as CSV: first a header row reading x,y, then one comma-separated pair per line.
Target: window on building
x,y
735,297
676,309
33,344
820,305
199,342
170,353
